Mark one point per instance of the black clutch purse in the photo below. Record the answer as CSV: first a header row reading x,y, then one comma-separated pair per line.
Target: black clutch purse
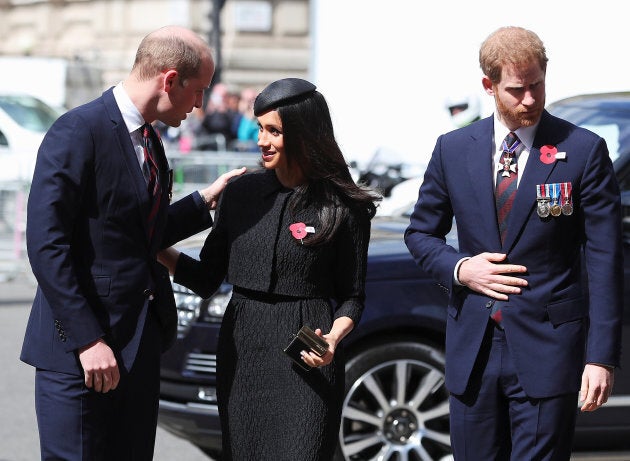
x,y
305,340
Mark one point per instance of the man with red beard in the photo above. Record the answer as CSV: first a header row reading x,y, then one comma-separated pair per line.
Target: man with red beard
x,y
537,207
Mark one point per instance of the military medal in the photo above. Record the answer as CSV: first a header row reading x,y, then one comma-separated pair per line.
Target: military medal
x,y
542,194
508,165
555,196
567,205
509,157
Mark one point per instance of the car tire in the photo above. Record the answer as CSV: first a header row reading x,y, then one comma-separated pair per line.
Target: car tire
x,y
395,405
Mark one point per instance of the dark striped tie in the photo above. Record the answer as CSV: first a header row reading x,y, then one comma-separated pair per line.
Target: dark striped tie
x,y
505,192
153,175
506,181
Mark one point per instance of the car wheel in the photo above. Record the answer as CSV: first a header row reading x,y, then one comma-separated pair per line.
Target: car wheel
x,y
396,405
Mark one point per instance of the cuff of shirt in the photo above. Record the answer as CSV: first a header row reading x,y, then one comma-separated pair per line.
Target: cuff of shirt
x,y
456,271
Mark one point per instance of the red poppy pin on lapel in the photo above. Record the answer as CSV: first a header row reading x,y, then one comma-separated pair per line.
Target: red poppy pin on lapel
x,y
549,154
299,230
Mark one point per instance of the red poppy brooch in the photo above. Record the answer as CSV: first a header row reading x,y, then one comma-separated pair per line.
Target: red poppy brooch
x,y
299,230
549,154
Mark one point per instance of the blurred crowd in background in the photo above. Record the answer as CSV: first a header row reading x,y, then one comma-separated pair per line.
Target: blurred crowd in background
x,y
226,123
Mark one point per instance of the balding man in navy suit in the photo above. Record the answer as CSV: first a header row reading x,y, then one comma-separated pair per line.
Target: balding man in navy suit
x,y
98,213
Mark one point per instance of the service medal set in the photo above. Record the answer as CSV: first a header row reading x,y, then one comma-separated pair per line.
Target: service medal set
x,y
554,199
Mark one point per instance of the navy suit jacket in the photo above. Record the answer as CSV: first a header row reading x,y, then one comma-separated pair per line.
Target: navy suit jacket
x,y
88,245
557,322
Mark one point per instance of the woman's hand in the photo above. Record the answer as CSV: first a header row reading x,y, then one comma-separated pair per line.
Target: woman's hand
x,y
313,360
340,328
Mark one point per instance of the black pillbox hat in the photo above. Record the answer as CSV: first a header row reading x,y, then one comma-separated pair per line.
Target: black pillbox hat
x,y
280,93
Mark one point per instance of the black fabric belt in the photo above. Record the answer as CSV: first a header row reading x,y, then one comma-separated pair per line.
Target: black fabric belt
x,y
263,296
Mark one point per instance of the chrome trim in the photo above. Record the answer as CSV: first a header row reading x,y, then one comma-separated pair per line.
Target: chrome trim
x,y
207,394
618,401
201,363
196,407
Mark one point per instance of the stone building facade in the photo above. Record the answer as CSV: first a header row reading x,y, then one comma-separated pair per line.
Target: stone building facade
x,y
259,40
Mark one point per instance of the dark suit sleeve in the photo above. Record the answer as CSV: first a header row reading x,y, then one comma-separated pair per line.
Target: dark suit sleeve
x,y
63,168
204,275
601,208
430,222
186,217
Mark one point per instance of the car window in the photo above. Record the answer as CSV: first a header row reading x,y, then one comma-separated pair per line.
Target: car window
x,y
608,116
28,112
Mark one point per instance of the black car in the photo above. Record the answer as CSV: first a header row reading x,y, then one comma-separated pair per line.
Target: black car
x,y
396,404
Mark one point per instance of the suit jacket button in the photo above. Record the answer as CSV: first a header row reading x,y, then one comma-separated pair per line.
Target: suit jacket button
x,y
489,304
148,294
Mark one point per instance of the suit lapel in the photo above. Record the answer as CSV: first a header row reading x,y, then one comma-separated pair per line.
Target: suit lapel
x,y
536,172
166,180
479,161
128,156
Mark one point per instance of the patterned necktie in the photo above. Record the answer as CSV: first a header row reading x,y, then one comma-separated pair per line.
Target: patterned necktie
x,y
505,192
150,165
506,181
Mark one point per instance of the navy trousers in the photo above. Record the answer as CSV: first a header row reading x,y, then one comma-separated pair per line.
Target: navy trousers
x,y
496,420
78,424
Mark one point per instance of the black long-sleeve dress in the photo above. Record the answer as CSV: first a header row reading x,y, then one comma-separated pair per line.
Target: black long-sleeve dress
x,y
271,409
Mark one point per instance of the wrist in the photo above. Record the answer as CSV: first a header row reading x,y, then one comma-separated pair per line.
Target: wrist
x,y
207,201
458,267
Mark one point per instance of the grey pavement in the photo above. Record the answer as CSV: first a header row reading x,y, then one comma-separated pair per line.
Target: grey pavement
x,y
18,427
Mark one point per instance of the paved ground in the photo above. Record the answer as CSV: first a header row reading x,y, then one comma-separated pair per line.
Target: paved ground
x,y
18,428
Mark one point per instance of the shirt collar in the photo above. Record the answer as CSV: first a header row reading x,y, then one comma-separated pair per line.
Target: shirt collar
x,y
525,133
130,113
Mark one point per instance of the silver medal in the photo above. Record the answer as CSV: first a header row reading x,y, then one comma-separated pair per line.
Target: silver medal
x,y
567,209
543,207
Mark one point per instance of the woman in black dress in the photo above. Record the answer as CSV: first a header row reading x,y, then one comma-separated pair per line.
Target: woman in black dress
x,y
292,239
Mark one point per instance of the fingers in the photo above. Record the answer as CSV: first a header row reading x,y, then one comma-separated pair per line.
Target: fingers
x,y
230,174
484,273
102,381
507,284
316,361
597,384
211,194
109,380
592,401
97,382
584,387
234,172
494,259
88,379
590,406
494,294
115,378
99,366
499,289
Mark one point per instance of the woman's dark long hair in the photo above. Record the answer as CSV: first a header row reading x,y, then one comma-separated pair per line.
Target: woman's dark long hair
x,y
309,141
